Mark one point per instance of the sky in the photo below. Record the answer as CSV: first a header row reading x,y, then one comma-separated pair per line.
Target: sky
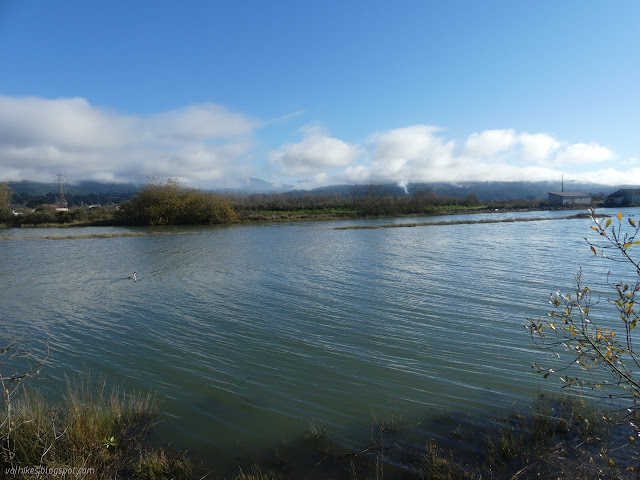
x,y
314,93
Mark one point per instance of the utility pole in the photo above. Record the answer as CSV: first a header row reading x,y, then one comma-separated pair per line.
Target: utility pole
x,y
62,194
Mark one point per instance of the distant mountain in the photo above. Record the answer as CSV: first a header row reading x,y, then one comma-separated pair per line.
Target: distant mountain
x,y
84,187
98,187
82,193
256,185
484,191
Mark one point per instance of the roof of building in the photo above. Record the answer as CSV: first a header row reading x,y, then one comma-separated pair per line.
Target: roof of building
x,y
570,194
625,191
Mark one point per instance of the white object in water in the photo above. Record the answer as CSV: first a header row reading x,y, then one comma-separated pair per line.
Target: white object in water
x,y
135,278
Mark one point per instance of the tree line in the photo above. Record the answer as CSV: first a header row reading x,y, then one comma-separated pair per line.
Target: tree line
x,y
173,203
368,201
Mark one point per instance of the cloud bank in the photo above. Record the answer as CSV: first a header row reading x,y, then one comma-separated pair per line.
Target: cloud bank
x,y
211,146
198,144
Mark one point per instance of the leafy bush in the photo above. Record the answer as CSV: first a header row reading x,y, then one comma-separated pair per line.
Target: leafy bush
x,y
172,203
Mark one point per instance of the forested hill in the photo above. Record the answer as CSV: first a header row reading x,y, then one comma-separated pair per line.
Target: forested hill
x,y
484,191
86,192
97,192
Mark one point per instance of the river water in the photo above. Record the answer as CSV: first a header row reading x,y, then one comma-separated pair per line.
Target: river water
x,y
249,332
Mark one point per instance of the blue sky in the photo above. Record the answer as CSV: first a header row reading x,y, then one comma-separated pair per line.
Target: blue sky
x,y
313,93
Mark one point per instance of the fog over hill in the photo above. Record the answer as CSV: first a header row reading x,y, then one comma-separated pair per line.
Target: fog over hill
x,y
484,191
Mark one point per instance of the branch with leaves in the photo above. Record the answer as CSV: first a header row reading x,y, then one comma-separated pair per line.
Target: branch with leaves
x,y
604,349
12,355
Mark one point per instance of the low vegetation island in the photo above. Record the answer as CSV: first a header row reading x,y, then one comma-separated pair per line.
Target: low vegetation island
x,y
172,203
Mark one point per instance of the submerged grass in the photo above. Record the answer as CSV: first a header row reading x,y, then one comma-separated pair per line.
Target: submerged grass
x,y
92,434
560,438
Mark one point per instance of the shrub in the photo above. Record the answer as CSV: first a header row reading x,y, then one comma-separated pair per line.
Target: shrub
x,y
172,203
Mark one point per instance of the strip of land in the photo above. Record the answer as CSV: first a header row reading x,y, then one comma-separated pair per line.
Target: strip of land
x,y
460,222
92,235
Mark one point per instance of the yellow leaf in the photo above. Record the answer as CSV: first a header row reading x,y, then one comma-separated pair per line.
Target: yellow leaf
x,y
627,245
619,215
608,223
633,224
593,250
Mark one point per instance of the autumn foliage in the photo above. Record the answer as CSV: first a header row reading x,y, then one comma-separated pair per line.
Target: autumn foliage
x,y
172,203
599,351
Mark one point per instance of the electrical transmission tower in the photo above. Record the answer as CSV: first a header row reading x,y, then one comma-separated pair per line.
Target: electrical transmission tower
x,y
62,194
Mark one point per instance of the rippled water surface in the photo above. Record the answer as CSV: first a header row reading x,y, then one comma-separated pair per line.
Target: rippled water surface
x,y
247,333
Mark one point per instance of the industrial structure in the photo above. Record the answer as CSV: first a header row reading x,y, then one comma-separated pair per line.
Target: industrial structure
x,y
624,197
61,200
562,199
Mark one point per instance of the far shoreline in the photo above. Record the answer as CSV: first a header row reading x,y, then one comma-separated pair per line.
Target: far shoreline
x,y
294,218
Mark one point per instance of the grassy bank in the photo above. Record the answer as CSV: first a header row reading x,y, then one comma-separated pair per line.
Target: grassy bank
x,y
99,435
92,434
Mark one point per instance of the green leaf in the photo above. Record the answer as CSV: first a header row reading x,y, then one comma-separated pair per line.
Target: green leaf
x,y
608,223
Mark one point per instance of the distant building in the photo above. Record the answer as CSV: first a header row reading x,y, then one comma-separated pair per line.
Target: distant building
x,y
51,207
623,198
561,199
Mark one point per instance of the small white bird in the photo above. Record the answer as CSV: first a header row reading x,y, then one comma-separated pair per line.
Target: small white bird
x,y
135,278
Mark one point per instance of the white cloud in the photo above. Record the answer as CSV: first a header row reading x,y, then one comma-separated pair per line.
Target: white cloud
x,y
315,153
612,176
419,153
197,122
404,154
211,146
64,123
538,147
489,142
200,143
581,153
